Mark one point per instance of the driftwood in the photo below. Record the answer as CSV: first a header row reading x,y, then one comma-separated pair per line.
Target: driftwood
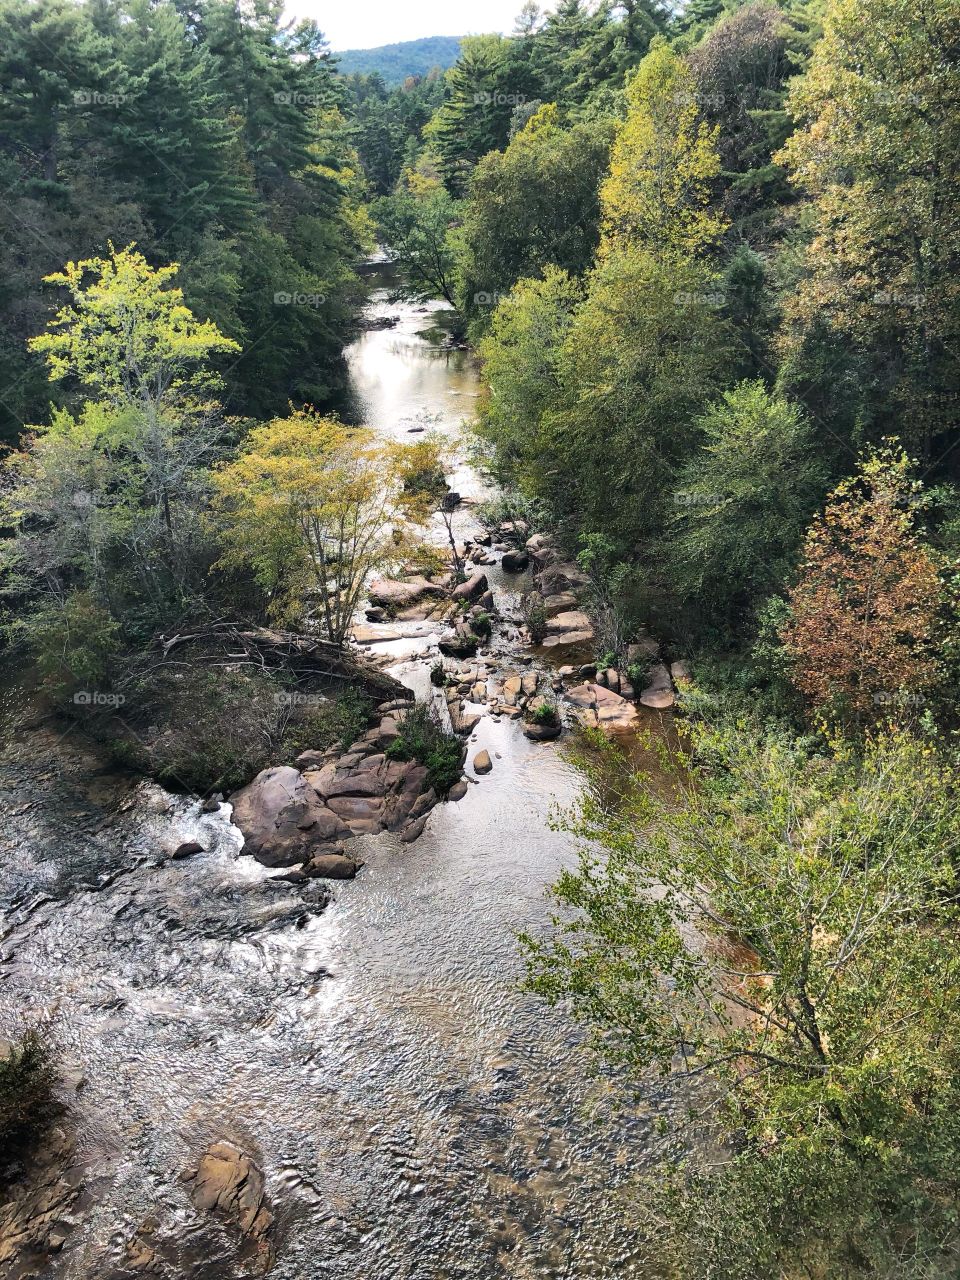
x,y
308,659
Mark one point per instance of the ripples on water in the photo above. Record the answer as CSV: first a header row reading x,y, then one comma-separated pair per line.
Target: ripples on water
x,y
415,1114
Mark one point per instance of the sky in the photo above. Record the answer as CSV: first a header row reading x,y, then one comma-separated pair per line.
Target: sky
x,y
364,24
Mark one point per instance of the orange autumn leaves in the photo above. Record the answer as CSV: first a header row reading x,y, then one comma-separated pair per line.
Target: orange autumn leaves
x,y
865,607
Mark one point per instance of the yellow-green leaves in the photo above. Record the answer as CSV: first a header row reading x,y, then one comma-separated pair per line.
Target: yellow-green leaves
x,y
664,160
311,507
128,336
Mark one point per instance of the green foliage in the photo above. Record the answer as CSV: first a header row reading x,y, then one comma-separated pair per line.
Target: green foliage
x,y
543,712
415,228
422,738
743,501
482,625
534,205
534,616
27,1080
783,922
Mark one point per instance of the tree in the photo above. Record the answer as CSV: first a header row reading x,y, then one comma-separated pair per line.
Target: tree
x,y
312,508
521,358
778,930
662,166
129,338
414,227
863,623
743,501
531,206
878,153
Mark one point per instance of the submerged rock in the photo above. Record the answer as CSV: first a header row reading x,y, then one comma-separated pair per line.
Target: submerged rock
x,y
228,1183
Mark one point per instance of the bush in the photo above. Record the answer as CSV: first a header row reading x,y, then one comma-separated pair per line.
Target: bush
x,y
511,515
438,675
534,616
423,738
544,713
482,625
27,1075
216,729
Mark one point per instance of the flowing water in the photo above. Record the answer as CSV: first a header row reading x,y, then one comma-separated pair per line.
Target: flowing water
x,y
415,1114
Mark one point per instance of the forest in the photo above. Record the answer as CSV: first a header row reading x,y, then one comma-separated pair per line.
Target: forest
x,y
708,259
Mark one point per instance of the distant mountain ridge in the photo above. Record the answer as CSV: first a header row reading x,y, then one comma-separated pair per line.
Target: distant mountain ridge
x,y
397,61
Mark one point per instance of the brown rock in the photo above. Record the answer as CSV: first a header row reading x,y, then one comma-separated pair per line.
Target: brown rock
x,y
282,817
229,1184
559,603
458,790
474,586
482,762
399,594
187,850
331,866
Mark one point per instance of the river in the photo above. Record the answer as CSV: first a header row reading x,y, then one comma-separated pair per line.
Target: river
x,y
415,1115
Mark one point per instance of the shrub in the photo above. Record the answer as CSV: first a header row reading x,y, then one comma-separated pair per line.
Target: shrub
x,y
544,713
438,675
511,515
27,1075
423,738
534,616
482,625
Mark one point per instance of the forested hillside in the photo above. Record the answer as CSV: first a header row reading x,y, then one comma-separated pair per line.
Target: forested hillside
x,y
394,63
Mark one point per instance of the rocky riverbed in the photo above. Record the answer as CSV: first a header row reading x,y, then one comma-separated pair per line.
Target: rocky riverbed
x,y
269,1070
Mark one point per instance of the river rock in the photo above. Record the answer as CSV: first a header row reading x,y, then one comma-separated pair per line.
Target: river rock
x,y
458,790
559,603
515,562
482,762
602,707
562,576
227,1183
187,850
363,634
283,818
474,586
542,732
569,620
396,594
212,803
680,673
331,866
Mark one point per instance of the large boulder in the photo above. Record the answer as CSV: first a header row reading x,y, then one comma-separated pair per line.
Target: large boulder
x,y
515,562
559,603
474,587
228,1183
283,818
398,594
600,707
562,576
569,620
